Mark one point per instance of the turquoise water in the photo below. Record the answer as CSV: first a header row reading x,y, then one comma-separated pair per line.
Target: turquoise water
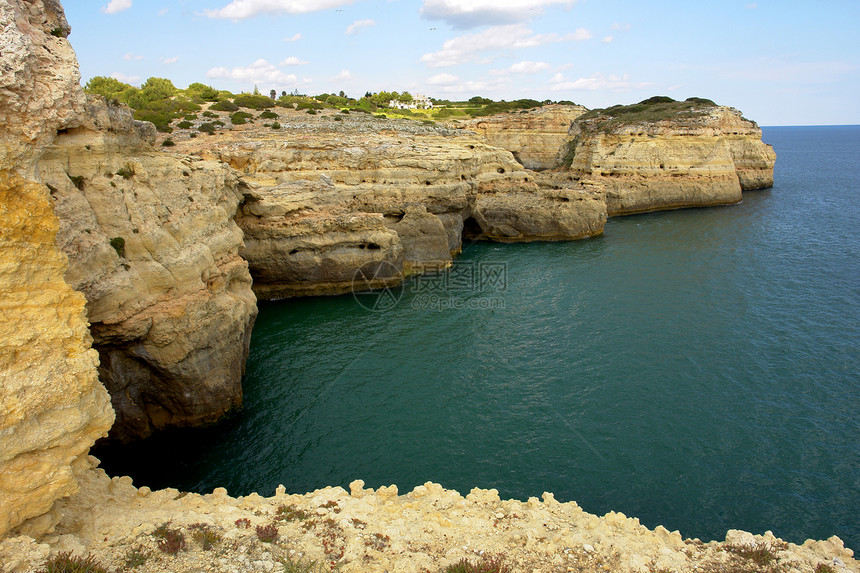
x,y
697,369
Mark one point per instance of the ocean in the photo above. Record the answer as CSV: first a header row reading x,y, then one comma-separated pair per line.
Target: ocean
x,y
698,369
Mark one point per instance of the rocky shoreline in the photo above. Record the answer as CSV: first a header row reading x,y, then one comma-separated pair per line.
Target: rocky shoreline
x,y
427,529
131,276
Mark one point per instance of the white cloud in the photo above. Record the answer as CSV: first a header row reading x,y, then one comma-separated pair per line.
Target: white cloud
x,y
443,79
467,47
343,75
295,38
620,26
115,6
525,67
260,72
358,25
595,82
472,13
578,35
163,11
240,9
172,60
752,6
129,57
125,79
675,87
293,61
607,39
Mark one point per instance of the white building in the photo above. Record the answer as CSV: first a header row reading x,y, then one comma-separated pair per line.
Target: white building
x,y
418,102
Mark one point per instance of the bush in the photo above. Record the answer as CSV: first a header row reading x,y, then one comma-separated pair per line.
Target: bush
x,y
207,127
208,113
204,535
258,102
110,88
224,105
291,513
161,119
657,108
312,112
126,172
267,533
67,563
135,557
118,244
168,143
183,125
204,92
77,181
172,540
240,117
276,125
190,117
268,115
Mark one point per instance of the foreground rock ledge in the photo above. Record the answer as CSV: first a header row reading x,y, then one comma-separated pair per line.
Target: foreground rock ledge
x,y
426,529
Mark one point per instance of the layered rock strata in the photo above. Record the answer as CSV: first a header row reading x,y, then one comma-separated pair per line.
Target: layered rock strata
x,y
367,530
52,406
329,201
533,136
152,244
687,161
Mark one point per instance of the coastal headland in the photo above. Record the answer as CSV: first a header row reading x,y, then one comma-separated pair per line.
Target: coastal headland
x,y
131,271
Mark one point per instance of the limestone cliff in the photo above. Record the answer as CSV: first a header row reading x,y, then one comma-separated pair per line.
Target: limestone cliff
x,y
668,155
366,531
52,407
332,194
152,244
533,136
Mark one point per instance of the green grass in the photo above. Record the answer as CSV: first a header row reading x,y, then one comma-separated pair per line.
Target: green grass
x,y
136,556
126,172
302,566
207,537
290,513
761,554
487,564
68,563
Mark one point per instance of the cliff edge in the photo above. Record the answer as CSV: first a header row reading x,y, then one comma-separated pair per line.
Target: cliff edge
x,y
664,154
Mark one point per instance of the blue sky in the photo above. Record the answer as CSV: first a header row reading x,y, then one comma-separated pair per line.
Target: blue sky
x,y
780,62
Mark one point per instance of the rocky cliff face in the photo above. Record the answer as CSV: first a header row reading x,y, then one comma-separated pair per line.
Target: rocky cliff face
x,y
696,160
152,244
328,198
533,136
52,406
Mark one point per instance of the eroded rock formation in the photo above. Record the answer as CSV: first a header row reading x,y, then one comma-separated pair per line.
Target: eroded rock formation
x,y
328,198
698,160
52,406
152,244
533,136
